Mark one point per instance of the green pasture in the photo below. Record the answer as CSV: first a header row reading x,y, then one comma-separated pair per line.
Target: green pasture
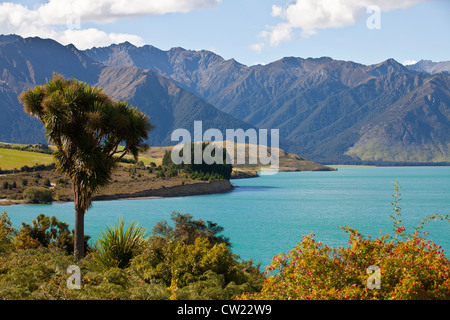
x,y
15,159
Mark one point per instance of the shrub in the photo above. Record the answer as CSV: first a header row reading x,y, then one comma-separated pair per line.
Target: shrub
x,y
162,267
7,232
118,245
196,271
160,174
173,172
38,195
24,241
47,183
410,266
194,262
202,171
48,232
412,269
187,230
35,274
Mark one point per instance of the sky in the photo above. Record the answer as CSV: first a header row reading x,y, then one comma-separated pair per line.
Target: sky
x,y
249,31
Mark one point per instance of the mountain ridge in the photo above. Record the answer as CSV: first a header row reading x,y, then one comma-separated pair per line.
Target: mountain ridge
x,y
431,67
27,62
321,104
326,110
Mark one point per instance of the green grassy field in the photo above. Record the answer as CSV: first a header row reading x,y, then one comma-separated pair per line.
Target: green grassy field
x,y
15,159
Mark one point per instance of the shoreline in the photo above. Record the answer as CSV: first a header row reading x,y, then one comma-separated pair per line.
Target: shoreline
x,y
183,190
192,189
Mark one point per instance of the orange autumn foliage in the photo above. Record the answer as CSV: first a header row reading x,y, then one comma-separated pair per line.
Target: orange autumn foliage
x,y
410,267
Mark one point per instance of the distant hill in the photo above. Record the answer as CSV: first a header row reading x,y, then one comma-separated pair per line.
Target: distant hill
x,y
286,161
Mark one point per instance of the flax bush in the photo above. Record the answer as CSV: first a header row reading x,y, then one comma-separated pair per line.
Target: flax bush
x,y
118,245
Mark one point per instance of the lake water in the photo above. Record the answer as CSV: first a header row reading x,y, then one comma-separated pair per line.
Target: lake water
x,y
268,215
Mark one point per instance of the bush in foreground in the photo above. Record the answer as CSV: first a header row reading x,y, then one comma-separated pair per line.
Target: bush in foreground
x,y
410,267
124,264
47,232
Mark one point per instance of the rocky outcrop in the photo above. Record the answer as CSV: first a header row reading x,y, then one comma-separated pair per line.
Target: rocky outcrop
x,y
243,174
215,186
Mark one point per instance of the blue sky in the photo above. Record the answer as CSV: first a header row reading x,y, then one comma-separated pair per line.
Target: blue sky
x,y
250,31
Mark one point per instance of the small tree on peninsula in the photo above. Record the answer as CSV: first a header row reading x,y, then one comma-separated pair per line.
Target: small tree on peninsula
x,y
91,132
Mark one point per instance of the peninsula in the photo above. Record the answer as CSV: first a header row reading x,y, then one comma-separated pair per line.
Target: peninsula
x,y
30,166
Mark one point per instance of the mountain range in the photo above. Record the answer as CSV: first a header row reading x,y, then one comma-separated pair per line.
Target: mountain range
x,y
25,63
430,66
327,110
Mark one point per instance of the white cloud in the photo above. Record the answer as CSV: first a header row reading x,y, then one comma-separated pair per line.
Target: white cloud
x,y
62,19
409,62
258,47
109,10
86,38
276,11
277,34
312,15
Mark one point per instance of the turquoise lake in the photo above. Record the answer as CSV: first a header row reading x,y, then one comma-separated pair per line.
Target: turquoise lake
x,y
268,215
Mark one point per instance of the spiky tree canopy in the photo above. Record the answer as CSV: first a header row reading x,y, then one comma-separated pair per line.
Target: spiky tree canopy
x,y
91,131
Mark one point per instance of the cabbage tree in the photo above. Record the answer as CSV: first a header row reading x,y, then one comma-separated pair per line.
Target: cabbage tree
x,y
91,132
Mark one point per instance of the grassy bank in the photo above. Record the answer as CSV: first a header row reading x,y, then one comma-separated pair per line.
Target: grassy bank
x,y
11,159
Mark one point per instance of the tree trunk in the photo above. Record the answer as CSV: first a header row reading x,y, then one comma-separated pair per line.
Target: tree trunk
x,y
78,245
